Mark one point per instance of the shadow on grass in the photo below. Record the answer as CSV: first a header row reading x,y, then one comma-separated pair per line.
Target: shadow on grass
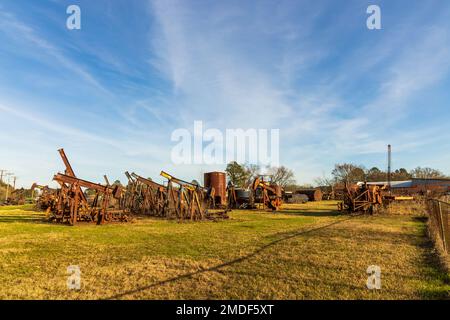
x,y
23,218
432,264
420,218
311,282
25,207
228,263
309,213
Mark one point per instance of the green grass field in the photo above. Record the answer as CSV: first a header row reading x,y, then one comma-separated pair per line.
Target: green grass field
x,y
305,251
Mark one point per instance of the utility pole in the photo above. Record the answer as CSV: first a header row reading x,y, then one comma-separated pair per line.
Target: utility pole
x,y
8,174
14,184
1,174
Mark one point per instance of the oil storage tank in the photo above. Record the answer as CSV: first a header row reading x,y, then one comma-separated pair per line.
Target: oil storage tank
x,y
217,180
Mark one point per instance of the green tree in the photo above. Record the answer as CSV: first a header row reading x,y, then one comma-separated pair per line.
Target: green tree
x,y
237,174
375,174
401,174
117,183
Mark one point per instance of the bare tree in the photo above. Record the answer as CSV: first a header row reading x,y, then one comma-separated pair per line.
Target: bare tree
x,y
251,172
324,181
282,176
426,173
347,173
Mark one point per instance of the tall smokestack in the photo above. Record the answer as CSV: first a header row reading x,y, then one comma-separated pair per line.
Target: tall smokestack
x,y
389,168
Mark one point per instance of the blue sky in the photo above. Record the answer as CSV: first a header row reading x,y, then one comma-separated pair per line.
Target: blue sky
x,y
112,92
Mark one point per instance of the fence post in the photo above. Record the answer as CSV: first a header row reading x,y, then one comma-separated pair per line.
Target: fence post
x,y
442,226
446,226
437,217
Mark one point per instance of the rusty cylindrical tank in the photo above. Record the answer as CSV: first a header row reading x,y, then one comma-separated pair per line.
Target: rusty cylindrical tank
x,y
217,180
313,194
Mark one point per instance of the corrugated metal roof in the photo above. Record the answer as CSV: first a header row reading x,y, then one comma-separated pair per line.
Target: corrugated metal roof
x,y
413,183
439,182
394,184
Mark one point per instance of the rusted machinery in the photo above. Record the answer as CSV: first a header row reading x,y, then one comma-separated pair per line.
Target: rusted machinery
x,y
17,197
46,199
69,171
144,196
231,196
132,195
69,204
72,208
361,198
268,194
179,199
184,199
188,200
240,198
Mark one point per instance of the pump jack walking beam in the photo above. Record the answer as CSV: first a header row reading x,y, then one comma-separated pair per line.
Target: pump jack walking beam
x,y
189,203
69,170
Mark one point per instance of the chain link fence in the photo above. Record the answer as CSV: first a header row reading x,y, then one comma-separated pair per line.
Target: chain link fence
x,y
439,212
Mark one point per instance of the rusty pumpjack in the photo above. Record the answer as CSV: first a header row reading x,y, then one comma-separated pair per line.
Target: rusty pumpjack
x,y
72,208
70,205
271,194
184,201
179,199
46,199
144,196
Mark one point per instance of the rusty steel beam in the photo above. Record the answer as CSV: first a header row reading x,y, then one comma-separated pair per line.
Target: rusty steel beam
x,y
82,183
147,181
69,170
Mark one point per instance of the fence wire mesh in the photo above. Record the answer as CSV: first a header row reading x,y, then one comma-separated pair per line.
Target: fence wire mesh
x,y
439,212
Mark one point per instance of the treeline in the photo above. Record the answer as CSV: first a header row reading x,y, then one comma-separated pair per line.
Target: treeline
x,y
350,173
242,175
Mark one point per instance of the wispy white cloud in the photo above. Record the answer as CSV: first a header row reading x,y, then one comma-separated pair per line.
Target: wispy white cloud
x,y
204,68
336,91
19,31
53,126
